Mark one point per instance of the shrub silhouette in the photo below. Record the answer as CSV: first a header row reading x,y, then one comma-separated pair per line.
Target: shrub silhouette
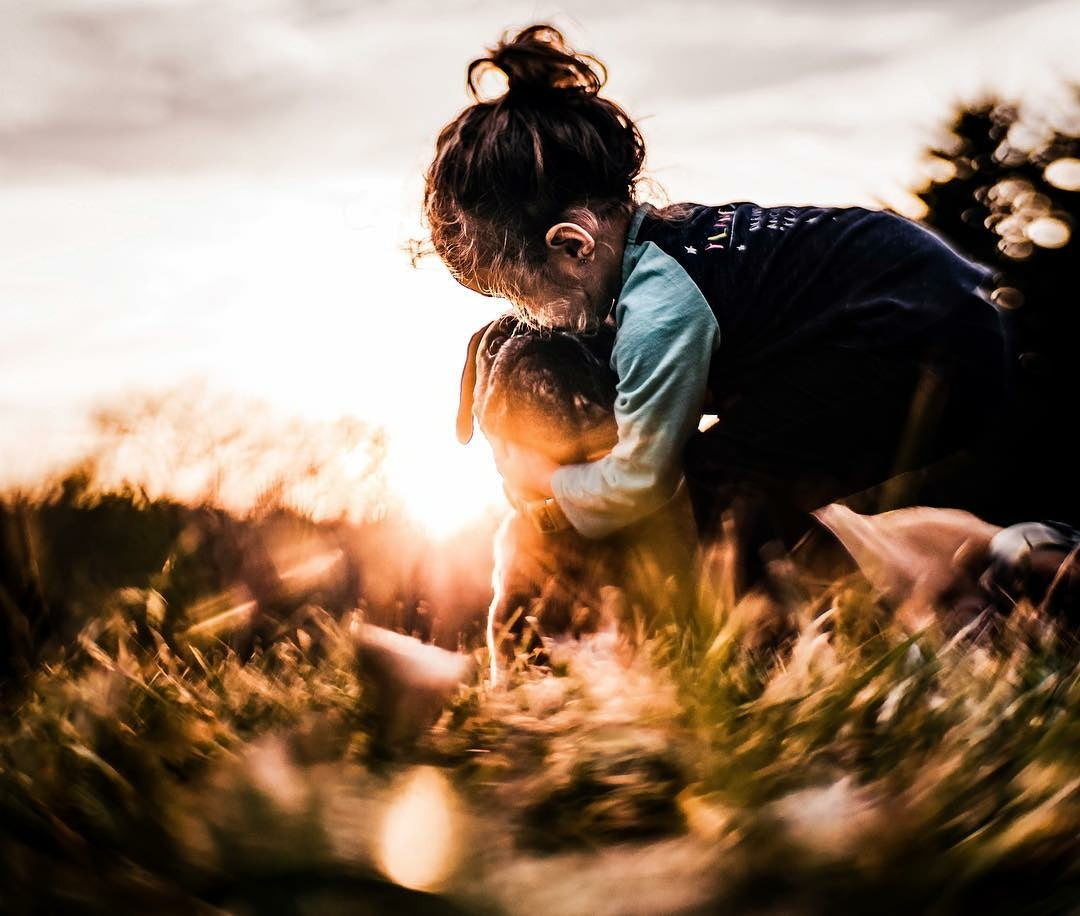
x,y
1007,194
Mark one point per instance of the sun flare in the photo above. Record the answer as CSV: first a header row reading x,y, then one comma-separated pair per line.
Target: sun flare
x,y
441,486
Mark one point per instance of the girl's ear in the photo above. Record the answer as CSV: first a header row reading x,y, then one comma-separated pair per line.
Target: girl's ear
x,y
571,240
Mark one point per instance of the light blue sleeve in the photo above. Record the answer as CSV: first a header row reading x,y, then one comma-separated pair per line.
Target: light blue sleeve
x,y
666,335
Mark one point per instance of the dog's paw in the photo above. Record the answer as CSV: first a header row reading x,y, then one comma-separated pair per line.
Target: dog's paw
x,y
411,681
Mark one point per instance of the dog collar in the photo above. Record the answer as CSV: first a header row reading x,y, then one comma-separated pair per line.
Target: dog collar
x,y
545,515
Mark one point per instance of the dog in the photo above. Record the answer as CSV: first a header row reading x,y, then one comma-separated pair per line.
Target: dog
x,y
555,392
947,567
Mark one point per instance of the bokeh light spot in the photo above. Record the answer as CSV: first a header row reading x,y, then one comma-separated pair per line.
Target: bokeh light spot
x,y
1023,135
1007,297
1064,173
417,845
1048,232
1018,251
940,170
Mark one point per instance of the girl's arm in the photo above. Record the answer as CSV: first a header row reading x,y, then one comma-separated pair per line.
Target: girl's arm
x,y
665,341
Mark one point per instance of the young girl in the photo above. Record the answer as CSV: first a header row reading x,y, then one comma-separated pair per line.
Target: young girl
x,y
838,346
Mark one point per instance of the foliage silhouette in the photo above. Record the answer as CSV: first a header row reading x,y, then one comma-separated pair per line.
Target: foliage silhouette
x,y
1008,195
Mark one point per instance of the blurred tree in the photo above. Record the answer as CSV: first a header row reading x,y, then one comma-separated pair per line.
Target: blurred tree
x,y
1005,190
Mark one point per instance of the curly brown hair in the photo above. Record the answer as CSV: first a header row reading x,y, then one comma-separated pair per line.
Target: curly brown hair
x,y
507,168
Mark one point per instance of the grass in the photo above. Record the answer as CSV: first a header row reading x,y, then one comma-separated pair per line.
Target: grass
x,y
859,769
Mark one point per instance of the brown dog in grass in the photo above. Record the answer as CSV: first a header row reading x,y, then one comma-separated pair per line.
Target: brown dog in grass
x,y
554,392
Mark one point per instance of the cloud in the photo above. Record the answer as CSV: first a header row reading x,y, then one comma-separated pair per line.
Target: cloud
x,y
81,66
123,86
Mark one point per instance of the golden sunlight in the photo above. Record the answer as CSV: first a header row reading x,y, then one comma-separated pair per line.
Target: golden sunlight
x,y
441,485
417,843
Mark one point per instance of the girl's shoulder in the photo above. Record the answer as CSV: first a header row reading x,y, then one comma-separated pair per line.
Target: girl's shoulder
x,y
680,227
684,215
746,227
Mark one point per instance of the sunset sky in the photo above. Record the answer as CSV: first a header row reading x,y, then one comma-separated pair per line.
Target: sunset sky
x,y
221,190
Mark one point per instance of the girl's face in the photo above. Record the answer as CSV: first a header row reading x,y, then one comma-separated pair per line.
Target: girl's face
x,y
574,297
575,287
580,280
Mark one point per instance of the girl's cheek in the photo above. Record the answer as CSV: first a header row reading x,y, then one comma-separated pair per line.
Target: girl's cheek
x,y
542,310
571,313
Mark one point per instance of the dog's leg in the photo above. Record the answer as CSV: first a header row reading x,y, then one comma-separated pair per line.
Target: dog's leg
x,y
412,682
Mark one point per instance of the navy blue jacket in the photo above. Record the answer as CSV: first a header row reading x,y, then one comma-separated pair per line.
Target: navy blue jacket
x,y
784,279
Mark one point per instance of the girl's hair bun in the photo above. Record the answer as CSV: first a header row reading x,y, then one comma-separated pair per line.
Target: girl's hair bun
x,y
537,62
510,166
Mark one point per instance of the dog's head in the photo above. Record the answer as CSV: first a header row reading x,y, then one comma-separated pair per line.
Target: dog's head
x,y
547,389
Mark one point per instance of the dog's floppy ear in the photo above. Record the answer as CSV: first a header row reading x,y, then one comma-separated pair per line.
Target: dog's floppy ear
x,y
491,336
468,387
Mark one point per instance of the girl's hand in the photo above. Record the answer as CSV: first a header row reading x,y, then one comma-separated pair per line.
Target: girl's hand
x,y
525,471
